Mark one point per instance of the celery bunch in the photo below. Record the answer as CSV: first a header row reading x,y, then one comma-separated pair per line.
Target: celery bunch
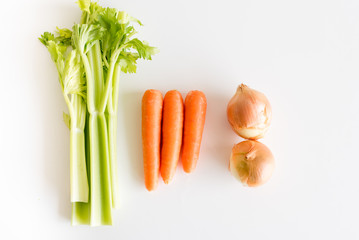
x,y
89,59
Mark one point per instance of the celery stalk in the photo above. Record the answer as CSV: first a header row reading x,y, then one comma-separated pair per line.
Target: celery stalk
x,y
89,60
78,173
100,187
112,133
81,212
100,167
107,103
78,176
112,136
116,88
99,164
95,61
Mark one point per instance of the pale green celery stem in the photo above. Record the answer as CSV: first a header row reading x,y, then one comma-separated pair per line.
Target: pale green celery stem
x,y
78,173
100,189
101,203
84,17
116,87
89,84
106,102
112,136
95,61
81,212
112,132
108,84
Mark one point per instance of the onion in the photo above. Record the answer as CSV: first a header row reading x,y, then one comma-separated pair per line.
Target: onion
x,y
252,163
249,113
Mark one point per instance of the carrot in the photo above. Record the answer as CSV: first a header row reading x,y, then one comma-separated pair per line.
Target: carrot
x,y
172,127
194,118
152,103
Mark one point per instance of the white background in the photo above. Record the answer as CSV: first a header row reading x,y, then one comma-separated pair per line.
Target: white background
x,y
304,55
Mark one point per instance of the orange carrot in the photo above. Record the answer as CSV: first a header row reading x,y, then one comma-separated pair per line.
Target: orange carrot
x,y
152,103
172,127
194,117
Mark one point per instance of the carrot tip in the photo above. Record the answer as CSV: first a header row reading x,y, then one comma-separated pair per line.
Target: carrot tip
x,y
151,188
188,170
167,181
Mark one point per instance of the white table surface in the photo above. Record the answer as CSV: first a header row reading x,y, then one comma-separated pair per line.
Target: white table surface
x,y
304,55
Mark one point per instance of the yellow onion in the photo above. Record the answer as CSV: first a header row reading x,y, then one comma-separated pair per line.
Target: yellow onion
x,y
252,163
249,113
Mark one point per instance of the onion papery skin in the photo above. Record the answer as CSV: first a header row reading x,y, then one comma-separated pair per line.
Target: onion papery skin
x,y
249,113
252,163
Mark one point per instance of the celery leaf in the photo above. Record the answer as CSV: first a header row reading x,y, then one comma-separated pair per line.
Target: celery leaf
x,y
46,37
73,81
84,36
127,61
64,36
144,50
124,18
84,5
